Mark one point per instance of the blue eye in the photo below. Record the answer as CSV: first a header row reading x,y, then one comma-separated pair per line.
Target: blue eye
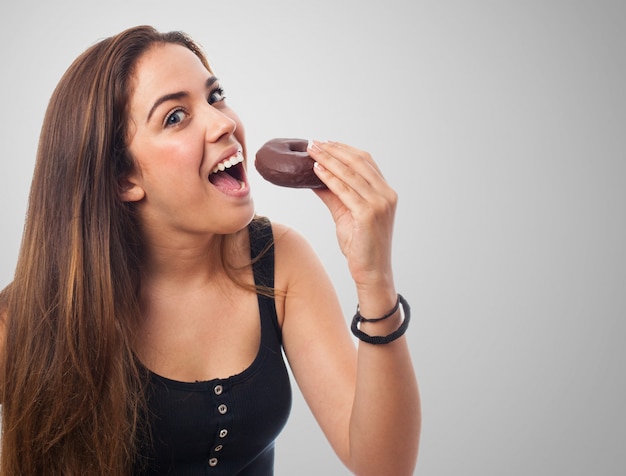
x,y
217,95
175,117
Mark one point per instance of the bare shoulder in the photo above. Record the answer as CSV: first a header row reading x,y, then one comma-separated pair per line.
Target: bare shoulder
x,y
299,273
284,234
292,250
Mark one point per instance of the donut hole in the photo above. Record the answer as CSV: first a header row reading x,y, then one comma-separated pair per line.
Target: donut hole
x,y
298,146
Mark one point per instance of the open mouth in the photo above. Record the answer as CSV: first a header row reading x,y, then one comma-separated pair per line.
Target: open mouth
x,y
229,175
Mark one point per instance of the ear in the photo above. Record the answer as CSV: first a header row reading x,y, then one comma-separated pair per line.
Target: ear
x,y
131,191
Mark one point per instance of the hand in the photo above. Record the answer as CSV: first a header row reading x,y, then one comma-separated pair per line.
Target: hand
x,y
363,207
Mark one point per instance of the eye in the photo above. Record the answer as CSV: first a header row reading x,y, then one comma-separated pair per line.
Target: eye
x,y
217,95
175,117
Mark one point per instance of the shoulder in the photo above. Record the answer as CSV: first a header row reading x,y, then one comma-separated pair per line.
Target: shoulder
x,y
291,248
297,268
296,264
289,244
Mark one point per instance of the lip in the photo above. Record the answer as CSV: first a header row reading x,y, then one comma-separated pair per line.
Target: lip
x,y
229,152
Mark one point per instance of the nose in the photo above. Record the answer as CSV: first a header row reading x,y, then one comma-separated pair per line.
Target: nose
x,y
218,124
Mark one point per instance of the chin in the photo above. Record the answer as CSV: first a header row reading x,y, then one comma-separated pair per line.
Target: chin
x,y
238,220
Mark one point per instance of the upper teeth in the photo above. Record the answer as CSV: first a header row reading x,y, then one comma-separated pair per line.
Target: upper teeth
x,y
228,163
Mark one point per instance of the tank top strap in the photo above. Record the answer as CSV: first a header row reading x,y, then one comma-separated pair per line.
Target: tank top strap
x,y
262,251
262,254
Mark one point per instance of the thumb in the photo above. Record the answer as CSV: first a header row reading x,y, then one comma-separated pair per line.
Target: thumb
x,y
331,201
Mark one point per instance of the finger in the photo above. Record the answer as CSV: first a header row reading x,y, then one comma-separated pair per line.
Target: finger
x,y
353,167
347,163
332,201
358,152
347,166
345,194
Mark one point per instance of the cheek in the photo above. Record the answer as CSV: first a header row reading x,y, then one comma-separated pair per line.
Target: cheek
x,y
186,149
169,159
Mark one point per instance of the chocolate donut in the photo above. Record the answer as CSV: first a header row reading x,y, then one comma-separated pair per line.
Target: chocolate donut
x,y
286,162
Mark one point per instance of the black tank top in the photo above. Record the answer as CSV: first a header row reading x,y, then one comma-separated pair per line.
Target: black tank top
x,y
224,426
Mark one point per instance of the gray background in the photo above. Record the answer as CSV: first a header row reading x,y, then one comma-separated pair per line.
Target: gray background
x,y
502,126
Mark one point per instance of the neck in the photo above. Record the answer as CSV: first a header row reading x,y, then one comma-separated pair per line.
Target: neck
x,y
181,260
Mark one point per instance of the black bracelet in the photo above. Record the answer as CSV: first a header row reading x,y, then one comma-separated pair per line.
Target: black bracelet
x,y
377,340
360,318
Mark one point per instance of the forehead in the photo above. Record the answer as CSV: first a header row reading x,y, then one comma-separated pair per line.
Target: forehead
x,y
166,68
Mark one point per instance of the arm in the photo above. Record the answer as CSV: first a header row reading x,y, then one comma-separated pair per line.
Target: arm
x,y
366,401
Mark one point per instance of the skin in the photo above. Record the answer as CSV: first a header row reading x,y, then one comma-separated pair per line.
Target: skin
x,y
365,399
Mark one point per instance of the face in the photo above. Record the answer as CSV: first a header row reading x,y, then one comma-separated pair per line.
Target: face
x,y
188,148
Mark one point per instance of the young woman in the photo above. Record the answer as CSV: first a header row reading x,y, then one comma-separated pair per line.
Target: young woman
x,y
144,326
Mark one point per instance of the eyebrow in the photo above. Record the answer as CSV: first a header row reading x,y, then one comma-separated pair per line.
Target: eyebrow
x,y
178,95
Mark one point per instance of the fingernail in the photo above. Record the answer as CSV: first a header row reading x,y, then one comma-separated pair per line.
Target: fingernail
x,y
313,146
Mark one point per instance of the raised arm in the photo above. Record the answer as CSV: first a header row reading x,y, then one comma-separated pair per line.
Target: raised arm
x,y
366,401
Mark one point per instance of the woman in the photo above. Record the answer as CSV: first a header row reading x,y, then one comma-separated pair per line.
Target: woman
x,y
144,325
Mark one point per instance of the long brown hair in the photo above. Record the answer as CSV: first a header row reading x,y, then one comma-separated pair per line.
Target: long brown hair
x,y
72,387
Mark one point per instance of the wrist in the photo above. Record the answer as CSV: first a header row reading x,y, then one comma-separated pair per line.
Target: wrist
x,y
384,329
376,300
